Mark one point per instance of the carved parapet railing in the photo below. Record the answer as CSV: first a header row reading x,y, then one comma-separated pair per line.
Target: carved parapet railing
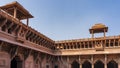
x,y
20,39
10,17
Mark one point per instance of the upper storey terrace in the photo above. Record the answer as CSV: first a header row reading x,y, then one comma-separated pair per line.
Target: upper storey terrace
x,y
93,45
12,30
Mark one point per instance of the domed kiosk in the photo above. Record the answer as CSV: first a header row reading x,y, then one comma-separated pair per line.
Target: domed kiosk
x,y
98,28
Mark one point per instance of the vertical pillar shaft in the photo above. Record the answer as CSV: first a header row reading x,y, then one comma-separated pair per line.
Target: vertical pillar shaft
x,y
92,61
80,62
105,61
92,65
80,65
27,21
118,65
104,33
15,12
92,34
68,66
109,43
118,42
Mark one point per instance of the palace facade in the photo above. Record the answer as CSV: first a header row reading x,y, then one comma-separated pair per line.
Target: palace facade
x,y
23,47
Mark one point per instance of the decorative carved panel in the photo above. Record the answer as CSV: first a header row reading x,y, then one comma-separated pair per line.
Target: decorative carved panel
x,y
99,46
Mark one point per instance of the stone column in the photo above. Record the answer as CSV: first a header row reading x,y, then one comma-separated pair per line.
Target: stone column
x,y
80,62
119,65
92,65
105,65
15,12
104,33
80,65
92,61
69,66
92,34
27,21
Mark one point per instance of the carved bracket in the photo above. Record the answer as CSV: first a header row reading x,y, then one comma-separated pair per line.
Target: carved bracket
x,y
1,44
36,55
27,53
21,34
14,51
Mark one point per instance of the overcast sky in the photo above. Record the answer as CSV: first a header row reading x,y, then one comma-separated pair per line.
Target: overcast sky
x,y
71,19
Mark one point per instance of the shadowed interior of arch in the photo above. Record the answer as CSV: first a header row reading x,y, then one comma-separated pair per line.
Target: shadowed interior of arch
x,y
99,64
16,62
75,64
112,64
86,64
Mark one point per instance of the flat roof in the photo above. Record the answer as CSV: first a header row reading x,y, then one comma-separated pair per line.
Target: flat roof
x,y
22,13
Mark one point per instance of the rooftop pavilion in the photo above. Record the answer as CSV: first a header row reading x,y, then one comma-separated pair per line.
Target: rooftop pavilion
x,y
17,11
98,28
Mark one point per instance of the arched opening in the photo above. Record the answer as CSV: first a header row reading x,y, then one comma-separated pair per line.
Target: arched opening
x,y
56,66
16,62
86,64
112,64
75,64
99,64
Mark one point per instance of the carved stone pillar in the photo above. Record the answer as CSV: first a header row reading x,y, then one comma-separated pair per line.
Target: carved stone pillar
x,y
80,62
92,61
80,65
92,65
92,34
15,12
105,65
69,65
119,65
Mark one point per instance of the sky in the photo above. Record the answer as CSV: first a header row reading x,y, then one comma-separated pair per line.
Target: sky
x,y
71,19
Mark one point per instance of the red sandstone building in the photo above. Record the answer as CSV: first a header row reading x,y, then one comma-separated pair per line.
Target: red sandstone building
x,y
23,47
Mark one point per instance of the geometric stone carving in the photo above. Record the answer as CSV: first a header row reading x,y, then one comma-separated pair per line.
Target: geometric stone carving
x,y
99,46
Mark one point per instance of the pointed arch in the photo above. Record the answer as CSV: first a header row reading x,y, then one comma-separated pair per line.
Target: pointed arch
x,y
75,64
99,64
112,64
86,64
16,62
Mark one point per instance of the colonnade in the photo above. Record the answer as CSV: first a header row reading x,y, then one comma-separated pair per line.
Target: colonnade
x,y
94,63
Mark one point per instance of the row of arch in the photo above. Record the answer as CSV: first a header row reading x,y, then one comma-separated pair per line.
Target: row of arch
x,y
98,64
16,62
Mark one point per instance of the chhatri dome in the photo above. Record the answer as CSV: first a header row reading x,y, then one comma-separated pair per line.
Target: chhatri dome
x,y
98,26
